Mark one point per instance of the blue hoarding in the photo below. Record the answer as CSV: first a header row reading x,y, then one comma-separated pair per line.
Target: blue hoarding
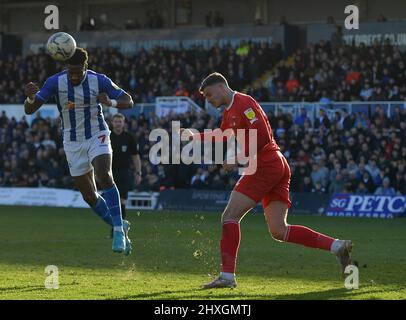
x,y
368,206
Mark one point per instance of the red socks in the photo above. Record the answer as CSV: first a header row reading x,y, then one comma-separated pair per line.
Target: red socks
x,y
229,244
308,237
231,236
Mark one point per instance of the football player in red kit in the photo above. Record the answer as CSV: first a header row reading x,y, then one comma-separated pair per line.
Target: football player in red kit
x,y
268,184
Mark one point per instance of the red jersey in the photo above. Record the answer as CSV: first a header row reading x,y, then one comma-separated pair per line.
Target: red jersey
x,y
246,113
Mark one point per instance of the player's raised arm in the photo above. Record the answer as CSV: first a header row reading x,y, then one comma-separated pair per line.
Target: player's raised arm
x,y
124,102
31,104
113,96
217,135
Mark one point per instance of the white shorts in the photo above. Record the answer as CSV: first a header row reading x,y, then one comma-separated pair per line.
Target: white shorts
x,y
81,154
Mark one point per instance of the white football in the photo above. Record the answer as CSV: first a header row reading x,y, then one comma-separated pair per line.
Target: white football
x,y
61,46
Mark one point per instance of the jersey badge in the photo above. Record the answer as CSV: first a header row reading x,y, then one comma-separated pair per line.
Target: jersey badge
x,y
250,114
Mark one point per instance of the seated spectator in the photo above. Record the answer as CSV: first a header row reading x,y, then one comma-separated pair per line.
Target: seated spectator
x,y
302,117
319,174
337,185
307,185
373,170
322,119
362,189
398,183
366,92
292,83
199,179
352,77
368,182
318,188
385,189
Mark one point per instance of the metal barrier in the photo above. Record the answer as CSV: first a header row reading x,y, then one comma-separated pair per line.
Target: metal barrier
x,y
180,104
313,109
163,106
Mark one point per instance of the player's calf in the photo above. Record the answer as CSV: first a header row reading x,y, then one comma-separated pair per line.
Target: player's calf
x,y
90,198
105,180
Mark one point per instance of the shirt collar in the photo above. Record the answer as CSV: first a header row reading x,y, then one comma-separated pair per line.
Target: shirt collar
x,y
81,82
232,101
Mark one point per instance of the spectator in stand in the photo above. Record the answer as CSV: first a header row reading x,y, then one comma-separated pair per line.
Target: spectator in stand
x,y
385,189
150,73
373,169
319,174
322,120
318,188
292,83
368,182
199,180
362,189
337,185
366,92
398,184
357,147
307,185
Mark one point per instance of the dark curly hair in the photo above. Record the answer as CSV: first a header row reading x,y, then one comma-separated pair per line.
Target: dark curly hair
x,y
79,57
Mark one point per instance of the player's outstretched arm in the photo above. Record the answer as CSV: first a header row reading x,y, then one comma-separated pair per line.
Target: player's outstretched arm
x,y
217,135
124,102
31,104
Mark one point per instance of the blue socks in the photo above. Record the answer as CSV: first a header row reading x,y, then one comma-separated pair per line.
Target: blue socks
x,y
112,198
102,210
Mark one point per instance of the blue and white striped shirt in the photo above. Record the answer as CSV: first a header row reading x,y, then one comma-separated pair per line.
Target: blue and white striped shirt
x,y
81,115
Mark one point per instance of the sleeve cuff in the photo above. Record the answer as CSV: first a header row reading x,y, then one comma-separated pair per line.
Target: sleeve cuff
x,y
37,96
120,94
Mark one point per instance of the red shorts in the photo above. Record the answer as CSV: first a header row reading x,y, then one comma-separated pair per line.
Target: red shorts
x,y
269,183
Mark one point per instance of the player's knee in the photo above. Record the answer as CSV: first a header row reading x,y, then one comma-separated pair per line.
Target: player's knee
x,y
230,215
277,232
90,198
104,179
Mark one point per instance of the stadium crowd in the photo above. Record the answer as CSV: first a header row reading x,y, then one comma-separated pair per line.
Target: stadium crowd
x,y
323,72
350,153
328,72
152,73
359,152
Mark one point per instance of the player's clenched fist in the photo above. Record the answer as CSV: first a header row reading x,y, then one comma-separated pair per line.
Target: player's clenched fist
x,y
104,99
31,89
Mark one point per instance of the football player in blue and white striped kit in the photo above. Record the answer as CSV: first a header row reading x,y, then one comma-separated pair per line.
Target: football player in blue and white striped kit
x,y
80,94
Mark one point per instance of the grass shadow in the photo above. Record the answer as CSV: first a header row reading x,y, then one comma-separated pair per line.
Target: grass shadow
x,y
227,294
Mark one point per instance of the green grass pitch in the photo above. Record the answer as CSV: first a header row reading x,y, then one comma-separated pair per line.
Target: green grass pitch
x,y
177,252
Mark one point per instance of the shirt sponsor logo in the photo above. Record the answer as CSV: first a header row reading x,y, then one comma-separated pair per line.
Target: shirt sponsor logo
x,y
70,105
